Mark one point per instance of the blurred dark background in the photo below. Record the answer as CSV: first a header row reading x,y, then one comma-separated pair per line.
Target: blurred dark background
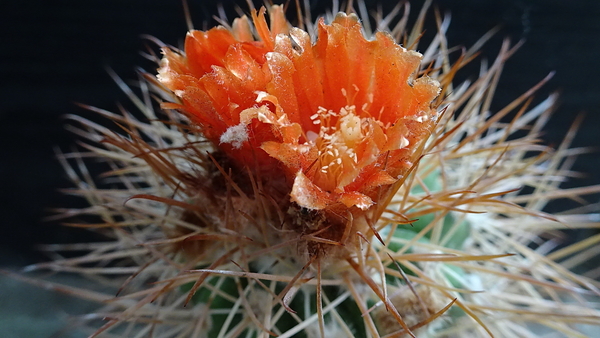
x,y
54,54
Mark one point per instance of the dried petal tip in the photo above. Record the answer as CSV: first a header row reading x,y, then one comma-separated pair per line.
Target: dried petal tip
x,y
343,116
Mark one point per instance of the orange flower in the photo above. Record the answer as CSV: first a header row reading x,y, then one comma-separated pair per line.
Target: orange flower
x,y
343,117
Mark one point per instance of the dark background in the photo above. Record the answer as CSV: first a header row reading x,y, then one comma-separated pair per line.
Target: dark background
x,y
54,54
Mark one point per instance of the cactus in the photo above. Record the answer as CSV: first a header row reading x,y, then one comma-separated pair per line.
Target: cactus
x,y
325,181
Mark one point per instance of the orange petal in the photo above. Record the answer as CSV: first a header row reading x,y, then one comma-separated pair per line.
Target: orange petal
x,y
356,199
308,195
